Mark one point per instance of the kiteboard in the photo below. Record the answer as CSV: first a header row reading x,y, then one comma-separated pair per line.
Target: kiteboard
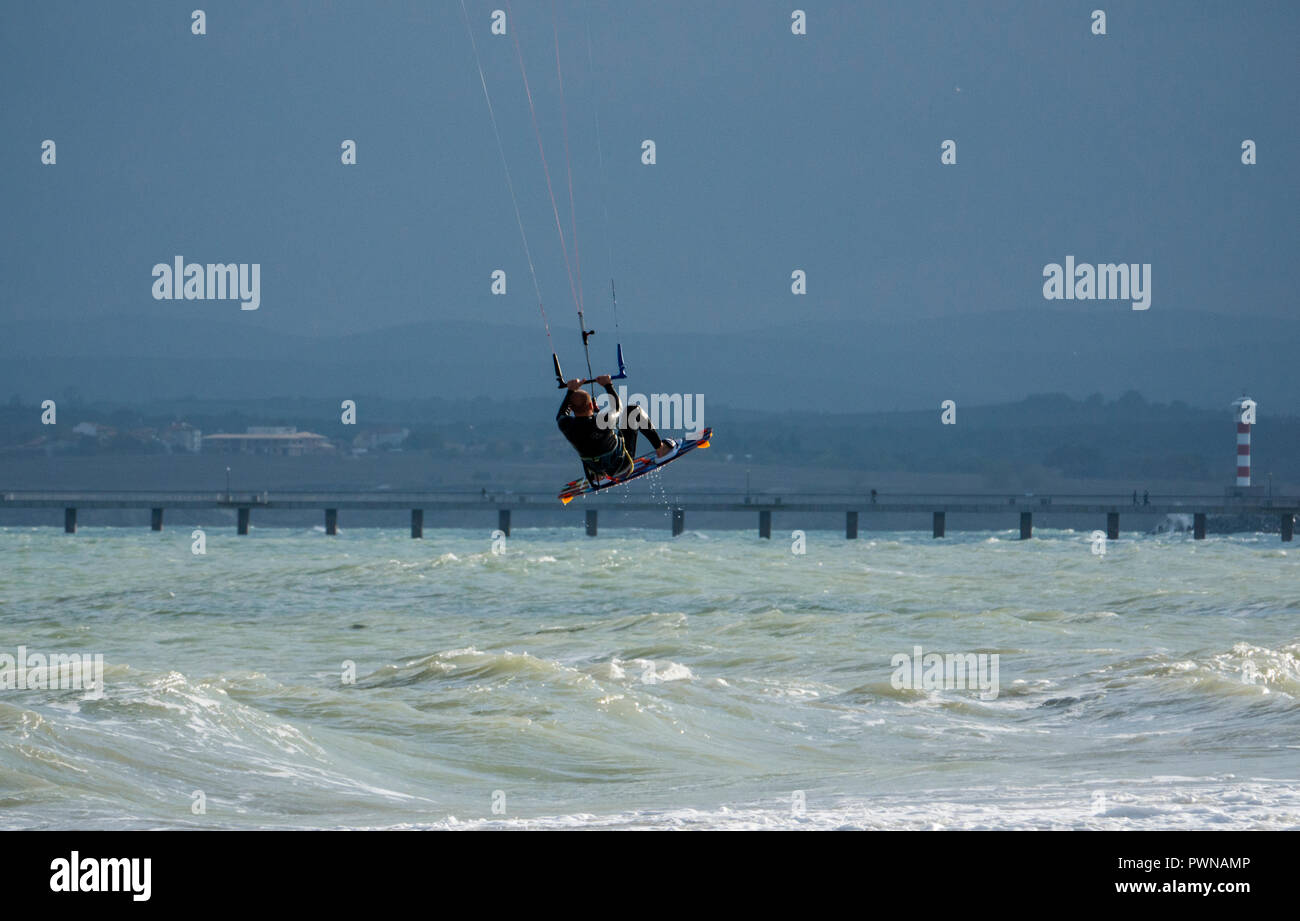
x,y
646,463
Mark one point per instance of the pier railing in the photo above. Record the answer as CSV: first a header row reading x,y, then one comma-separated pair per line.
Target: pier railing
x,y
851,505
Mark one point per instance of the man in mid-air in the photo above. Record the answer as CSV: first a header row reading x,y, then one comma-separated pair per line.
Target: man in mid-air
x,y
606,440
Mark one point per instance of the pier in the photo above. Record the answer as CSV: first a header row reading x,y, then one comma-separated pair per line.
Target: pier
x,y
1106,509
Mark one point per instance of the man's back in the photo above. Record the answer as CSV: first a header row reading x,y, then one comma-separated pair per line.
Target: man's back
x,y
606,440
592,434
586,435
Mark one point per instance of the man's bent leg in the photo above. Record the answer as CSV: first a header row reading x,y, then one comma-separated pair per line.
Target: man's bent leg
x,y
637,421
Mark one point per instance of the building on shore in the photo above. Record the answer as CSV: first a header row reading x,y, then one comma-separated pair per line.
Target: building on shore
x,y
95,432
181,437
380,437
282,441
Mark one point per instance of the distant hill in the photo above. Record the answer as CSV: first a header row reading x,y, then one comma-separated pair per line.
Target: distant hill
x,y
1025,444
1201,359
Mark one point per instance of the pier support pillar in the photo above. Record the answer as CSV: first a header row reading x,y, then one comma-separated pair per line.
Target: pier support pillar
x,y
1112,526
417,522
242,525
940,523
765,524
503,521
850,525
155,519
69,521
679,521
1198,526
591,522
1288,526
1026,525
331,521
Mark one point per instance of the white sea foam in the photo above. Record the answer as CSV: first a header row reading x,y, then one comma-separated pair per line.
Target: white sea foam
x,y
531,672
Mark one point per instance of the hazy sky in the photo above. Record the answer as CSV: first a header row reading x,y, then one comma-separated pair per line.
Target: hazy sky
x,y
775,152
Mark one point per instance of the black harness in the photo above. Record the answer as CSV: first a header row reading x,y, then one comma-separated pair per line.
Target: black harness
x,y
610,464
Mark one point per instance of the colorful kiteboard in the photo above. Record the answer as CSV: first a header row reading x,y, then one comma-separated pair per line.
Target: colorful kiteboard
x,y
647,463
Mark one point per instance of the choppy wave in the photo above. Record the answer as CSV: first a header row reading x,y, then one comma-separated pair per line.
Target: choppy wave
x,y
292,680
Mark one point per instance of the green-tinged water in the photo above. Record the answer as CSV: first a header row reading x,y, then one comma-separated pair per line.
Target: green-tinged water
x,y
714,679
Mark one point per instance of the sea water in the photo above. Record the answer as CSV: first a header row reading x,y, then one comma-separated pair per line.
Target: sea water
x,y
287,679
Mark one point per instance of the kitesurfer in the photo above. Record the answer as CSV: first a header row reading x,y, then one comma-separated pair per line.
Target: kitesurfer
x,y
606,440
